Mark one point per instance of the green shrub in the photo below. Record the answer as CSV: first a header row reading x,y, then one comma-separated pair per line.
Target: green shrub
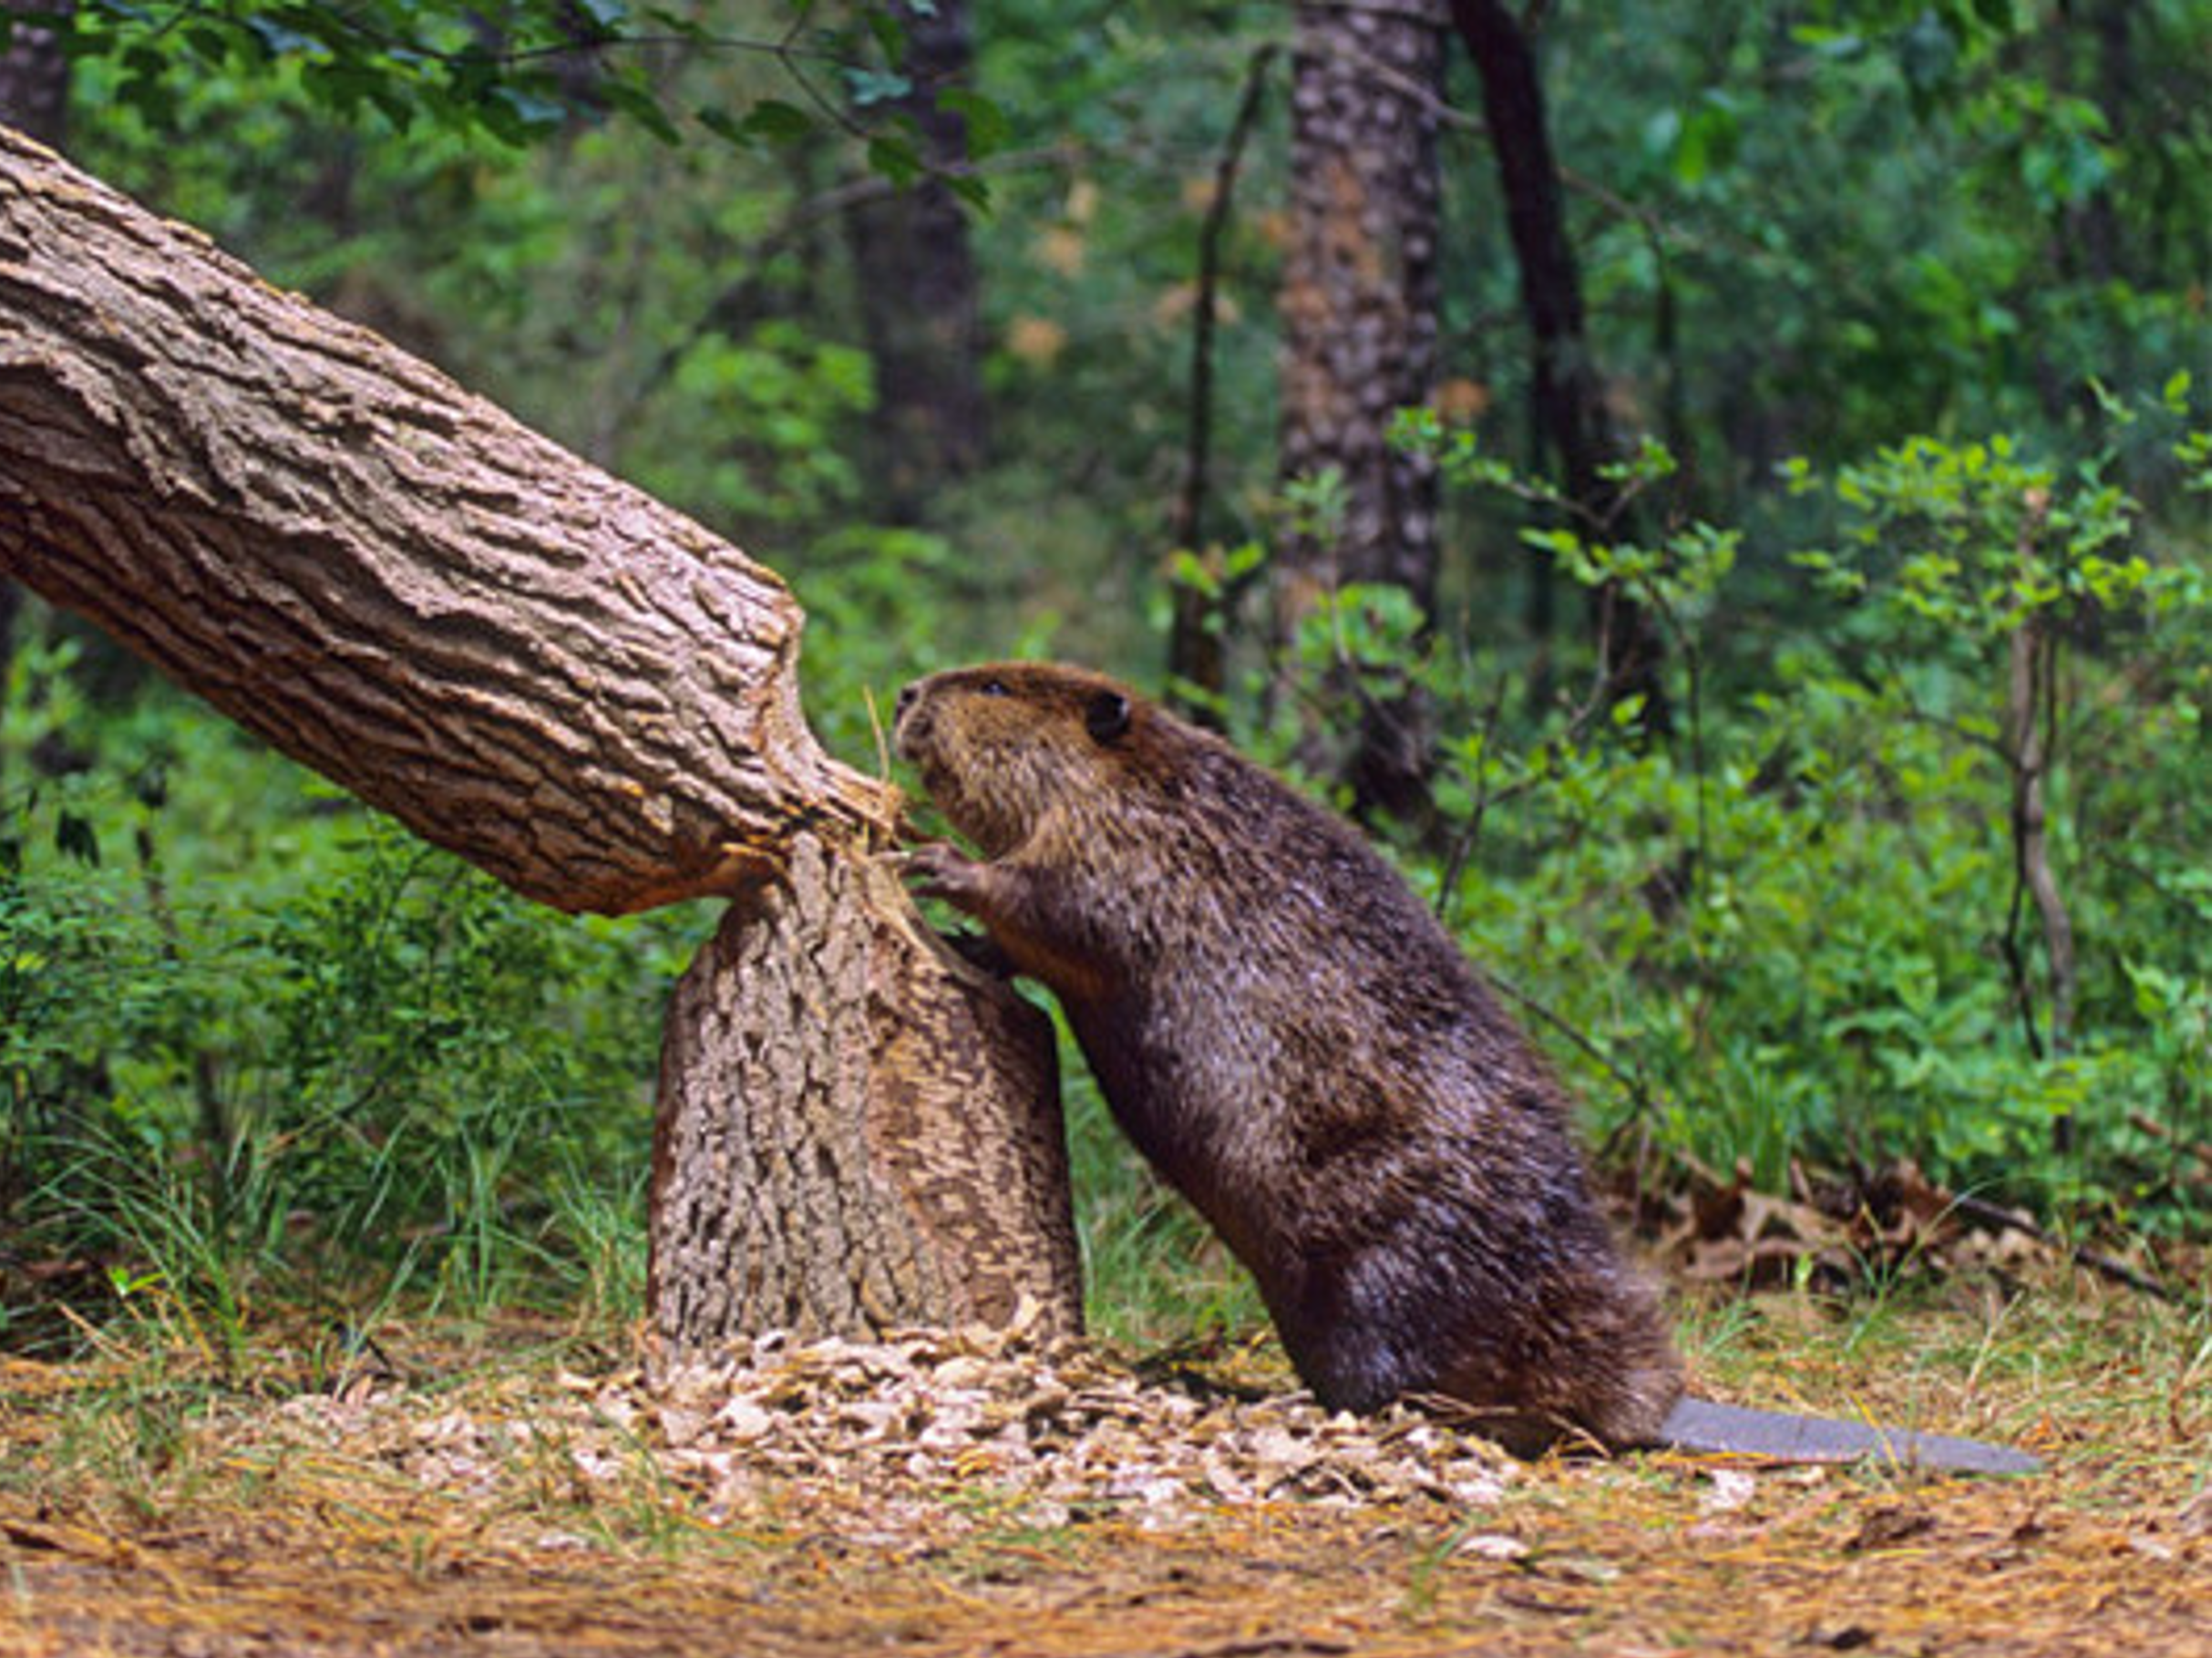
x,y
257,1045
1800,929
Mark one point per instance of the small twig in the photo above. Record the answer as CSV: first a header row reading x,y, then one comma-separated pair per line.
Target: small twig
x,y
877,730
1194,647
2197,1151
1463,843
2031,719
1656,227
1638,1091
2016,972
1422,97
1982,1212
1190,506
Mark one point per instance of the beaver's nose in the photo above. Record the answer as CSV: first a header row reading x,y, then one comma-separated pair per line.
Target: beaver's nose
x,y
908,694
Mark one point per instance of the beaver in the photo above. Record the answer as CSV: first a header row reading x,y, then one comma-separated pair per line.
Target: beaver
x,y
1290,1036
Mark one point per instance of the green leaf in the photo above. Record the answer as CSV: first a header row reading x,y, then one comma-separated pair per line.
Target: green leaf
x,y
778,122
894,158
867,87
638,101
606,16
1187,569
988,129
970,189
724,125
889,33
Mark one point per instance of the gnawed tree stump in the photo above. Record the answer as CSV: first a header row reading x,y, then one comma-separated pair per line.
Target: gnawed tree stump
x,y
577,688
778,1202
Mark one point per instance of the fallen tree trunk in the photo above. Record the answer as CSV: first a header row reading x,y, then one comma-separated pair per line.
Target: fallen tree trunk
x,y
521,658
575,687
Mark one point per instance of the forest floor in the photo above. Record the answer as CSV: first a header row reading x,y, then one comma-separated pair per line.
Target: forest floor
x,y
949,1494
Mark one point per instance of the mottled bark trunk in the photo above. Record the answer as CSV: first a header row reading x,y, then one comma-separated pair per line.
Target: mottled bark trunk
x,y
1359,310
1569,393
919,305
782,1205
574,688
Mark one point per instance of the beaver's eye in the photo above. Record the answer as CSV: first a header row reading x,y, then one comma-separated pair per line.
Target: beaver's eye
x,y
995,687
1107,717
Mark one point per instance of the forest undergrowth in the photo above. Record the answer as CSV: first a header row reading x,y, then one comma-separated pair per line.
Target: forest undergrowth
x,y
321,1290
1869,932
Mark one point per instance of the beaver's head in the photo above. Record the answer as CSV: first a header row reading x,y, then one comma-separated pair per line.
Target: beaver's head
x,y
1002,745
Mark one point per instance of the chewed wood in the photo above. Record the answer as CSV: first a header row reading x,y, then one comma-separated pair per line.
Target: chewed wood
x,y
856,1132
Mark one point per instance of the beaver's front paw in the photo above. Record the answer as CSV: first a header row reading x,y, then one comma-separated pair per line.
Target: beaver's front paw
x,y
942,871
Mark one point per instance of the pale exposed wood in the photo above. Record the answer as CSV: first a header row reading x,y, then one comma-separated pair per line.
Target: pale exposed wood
x,y
523,658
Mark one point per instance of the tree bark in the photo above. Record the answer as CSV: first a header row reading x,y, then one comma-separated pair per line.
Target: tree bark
x,y
820,990
521,658
1359,309
35,98
1569,393
571,686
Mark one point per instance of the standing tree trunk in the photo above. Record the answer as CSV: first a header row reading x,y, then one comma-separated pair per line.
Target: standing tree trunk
x,y
1359,309
572,687
920,308
1569,392
782,1021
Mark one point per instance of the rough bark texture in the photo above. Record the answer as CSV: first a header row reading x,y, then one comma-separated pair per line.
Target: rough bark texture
x,y
523,659
921,304
1359,297
782,1206
1359,311
572,687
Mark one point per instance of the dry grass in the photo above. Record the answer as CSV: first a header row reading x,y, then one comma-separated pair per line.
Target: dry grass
x,y
500,1502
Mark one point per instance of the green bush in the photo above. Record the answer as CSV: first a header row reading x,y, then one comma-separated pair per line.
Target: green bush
x,y
259,1045
1800,928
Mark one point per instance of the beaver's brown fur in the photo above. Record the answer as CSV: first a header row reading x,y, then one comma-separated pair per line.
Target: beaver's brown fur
x,y
1285,1031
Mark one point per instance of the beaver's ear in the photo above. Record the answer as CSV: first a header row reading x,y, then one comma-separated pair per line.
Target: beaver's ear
x,y
1107,718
